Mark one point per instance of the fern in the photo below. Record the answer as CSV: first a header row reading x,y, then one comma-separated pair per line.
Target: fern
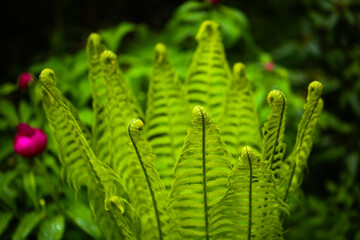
x,y
120,110
96,77
248,210
239,124
209,198
274,131
166,125
293,167
83,159
154,185
209,75
200,179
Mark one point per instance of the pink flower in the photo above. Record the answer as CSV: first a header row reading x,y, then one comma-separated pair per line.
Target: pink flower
x,y
269,66
24,79
29,141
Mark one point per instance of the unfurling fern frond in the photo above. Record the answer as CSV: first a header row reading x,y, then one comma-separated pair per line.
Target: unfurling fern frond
x,y
274,131
209,75
80,156
147,178
200,179
166,121
96,77
249,208
75,166
239,123
294,166
120,111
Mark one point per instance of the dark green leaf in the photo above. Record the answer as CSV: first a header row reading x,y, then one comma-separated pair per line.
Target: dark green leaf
x,y
52,228
27,224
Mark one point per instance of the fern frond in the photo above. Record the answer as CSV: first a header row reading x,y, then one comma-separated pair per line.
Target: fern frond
x,y
274,131
96,77
75,167
166,124
240,124
154,186
80,156
248,210
209,75
120,111
200,179
295,164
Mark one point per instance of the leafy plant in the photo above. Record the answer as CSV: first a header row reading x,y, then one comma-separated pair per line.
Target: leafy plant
x,y
213,192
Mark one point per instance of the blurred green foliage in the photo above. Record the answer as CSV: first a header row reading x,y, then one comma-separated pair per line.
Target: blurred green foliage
x,y
321,42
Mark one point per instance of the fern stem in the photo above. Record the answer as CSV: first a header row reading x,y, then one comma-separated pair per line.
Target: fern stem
x,y
250,194
206,215
149,185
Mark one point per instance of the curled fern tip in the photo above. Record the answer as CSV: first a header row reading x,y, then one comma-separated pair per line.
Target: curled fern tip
x,y
315,89
136,125
276,99
47,77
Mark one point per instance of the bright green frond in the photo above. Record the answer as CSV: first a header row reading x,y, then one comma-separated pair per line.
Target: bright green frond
x,y
249,208
200,179
166,121
274,131
293,168
209,75
96,77
80,156
239,123
75,166
120,110
151,180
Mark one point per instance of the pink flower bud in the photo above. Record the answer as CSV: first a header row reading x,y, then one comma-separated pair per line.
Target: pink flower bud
x,y
269,66
24,79
29,141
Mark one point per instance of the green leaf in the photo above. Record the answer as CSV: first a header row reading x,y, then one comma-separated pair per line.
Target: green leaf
x,y
81,216
8,88
52,228
25,111
30,187
5,218
113,37
8,111
27,225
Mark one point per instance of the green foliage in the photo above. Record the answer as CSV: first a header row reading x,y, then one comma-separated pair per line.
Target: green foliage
x,y
210,195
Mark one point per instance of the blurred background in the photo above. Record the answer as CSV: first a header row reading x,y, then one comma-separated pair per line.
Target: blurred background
x,y
284,44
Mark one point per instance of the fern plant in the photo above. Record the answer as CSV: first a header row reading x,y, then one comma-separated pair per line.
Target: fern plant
x,y
214,178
